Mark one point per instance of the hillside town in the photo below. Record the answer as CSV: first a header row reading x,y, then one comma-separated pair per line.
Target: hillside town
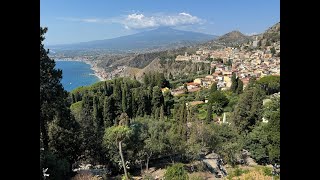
x,y
226,61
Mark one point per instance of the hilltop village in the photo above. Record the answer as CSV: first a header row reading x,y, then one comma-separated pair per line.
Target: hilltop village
x,y
224,62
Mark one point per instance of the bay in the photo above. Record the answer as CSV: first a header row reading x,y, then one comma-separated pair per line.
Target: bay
x,y
76,74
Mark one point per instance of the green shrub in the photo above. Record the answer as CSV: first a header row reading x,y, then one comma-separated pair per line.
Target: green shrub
x,y
176,172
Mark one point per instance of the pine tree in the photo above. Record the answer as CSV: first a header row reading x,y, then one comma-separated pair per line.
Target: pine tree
x,y
52,93
59,132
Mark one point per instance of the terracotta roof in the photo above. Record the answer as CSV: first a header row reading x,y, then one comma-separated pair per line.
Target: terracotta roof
x,y
192,83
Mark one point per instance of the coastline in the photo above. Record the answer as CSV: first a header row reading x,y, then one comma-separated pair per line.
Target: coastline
x,y
96,71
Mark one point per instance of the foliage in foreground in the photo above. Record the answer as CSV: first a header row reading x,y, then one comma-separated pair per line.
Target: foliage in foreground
x,y
176,172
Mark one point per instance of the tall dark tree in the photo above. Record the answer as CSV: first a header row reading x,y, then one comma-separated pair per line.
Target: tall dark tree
x,y
209,112
109,111
117,95
157,98
168,102
240,87
88,128
248,110
234,83
56,120
270,84
52,93
213,87
124,98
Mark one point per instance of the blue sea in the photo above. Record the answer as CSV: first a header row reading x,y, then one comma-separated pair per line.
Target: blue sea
x,y
75,74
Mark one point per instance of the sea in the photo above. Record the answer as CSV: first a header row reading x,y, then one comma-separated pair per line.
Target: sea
x,y
76,74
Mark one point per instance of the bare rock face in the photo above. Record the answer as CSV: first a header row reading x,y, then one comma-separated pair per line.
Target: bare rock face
x,y
250,162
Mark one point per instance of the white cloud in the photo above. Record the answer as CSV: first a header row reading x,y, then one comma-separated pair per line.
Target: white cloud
x,y
140,21
88,20
91,20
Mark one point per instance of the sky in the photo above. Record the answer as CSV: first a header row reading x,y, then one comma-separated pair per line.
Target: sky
x,y
72,21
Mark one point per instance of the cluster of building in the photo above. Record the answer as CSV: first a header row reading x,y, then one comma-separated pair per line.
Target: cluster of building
x,y
244,64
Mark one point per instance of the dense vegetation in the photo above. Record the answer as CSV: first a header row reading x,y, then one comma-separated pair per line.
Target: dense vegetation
x,y
129,125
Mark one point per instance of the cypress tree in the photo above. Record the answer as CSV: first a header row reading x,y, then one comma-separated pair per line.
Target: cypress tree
x,y
234,82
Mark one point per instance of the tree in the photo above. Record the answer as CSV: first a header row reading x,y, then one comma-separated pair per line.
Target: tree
x,y
209,112
213,87
273,51
52,93
270,84
218,97
108,111
168,102
257,143
272,114
227,142
234,83
64,135
155,142
114,136
240,87
157,98
247,111
54,110
89,135
176,172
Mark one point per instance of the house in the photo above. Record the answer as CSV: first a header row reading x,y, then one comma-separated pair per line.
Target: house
x,y
199,52
165,89
206,83
209,77
197,81
192,85
182,58
177,92
221,84
228,81
226,73
219,78
194,89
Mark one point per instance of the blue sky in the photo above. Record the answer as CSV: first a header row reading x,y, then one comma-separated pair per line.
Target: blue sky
x,y
71,21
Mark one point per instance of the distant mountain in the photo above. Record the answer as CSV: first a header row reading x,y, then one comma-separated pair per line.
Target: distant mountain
x,y
161,38
233,38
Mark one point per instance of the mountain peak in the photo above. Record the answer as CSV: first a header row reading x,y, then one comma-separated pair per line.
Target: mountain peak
x,y
233,34
160,38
